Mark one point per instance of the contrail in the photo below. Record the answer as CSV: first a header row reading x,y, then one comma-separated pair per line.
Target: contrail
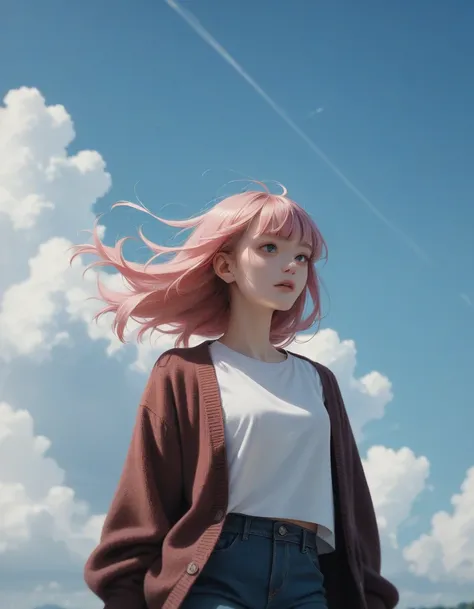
x,y
466,299
193,22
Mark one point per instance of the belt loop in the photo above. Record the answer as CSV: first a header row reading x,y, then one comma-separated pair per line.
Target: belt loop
x,y
247,524
303,541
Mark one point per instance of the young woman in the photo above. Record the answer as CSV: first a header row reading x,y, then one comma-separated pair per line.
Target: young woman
x,y
243,487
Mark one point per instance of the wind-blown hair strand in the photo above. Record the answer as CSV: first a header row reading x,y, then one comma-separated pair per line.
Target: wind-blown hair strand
x,y
181,295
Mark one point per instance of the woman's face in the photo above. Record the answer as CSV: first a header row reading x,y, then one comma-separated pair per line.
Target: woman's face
x,y
269,271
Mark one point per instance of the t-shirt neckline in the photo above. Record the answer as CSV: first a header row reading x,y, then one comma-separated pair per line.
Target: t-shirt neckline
x,y
250,359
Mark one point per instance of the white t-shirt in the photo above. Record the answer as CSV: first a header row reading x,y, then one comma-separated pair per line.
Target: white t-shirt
x,y
278,439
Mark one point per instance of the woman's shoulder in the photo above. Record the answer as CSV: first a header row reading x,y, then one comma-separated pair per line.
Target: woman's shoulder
x,y
174,370
178,358
321,368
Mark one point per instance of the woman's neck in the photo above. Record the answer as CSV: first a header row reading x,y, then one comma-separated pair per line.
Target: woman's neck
x,y
248,332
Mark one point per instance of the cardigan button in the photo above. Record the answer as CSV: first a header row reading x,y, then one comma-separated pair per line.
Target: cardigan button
x,y
192,568
219,515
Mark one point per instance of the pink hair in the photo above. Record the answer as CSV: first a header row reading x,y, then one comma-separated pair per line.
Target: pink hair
x,y
183,296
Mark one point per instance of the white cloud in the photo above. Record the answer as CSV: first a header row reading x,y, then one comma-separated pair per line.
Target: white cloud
x,y
44,191
30,307
396,479
52,595
30,312
81,306
412,598
37,176
316,111
367,396
45,199
29,325
34,502
446,553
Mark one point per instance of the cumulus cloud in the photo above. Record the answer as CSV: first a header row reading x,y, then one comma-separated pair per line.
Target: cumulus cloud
x,y
366,396
41,182
37,176
44,191
29,307
46,196
396,479
49,192
36,311
49,596
34,501
30,324
445,598
446,553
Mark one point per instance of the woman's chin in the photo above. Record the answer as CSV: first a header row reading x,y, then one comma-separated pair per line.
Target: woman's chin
x,y
283,306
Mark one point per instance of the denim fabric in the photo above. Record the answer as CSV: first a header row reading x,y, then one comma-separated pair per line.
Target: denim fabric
x,y
260,564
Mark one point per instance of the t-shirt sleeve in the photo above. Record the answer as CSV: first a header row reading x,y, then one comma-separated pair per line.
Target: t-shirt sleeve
x,y
146,502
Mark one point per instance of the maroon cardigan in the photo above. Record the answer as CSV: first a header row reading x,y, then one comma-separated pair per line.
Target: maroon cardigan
x,y
170,504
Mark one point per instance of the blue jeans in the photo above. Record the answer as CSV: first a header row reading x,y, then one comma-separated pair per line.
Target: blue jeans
x,y
260,564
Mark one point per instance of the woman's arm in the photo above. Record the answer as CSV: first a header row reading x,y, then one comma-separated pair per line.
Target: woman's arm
x,y
378,591
147,500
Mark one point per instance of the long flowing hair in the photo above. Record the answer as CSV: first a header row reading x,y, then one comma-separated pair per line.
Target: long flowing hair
x,y
182,295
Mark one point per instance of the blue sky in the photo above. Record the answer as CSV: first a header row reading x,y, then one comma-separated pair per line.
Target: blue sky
x,y
384,90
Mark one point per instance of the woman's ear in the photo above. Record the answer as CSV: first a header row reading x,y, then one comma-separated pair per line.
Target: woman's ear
x,y
222,264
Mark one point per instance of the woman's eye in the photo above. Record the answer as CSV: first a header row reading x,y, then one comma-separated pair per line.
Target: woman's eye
x,y
302,258
270,248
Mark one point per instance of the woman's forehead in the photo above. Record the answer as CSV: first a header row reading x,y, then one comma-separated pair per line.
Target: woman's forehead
x,y
294,239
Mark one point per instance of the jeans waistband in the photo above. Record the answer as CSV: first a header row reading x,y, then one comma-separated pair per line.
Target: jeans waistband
x,y
272,529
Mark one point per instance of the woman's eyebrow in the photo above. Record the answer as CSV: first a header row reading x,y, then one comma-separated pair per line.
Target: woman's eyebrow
x,y
306,245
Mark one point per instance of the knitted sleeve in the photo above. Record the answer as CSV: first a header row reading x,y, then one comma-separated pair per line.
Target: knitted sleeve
x,y
378,591
146,503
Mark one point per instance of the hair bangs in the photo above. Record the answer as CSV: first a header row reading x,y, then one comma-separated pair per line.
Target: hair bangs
x,y
177,291
284,218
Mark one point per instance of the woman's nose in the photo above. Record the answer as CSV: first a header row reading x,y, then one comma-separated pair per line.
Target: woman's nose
x,y
290,268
